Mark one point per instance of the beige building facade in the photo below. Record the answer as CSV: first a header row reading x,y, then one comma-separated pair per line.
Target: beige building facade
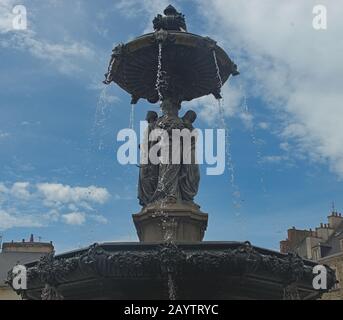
x,y
324,244
16,253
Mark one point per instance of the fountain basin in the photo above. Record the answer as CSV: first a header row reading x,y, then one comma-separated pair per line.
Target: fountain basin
x,y
207,270
188,66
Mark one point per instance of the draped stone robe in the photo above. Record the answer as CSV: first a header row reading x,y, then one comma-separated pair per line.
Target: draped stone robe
x,y
148,172
168,188
190,174
166,181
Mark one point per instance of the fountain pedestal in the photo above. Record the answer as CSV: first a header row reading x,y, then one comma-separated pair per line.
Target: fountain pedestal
x,y
177,222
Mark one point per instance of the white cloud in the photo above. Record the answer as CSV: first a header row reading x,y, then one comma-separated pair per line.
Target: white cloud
x,y
284,146
8,220
30,123
147,9
65,56
20,190
53,215
4,135
6,16
274,158
99,219
296,70
208,107
3,188
263,125
74,218
24,204
59,193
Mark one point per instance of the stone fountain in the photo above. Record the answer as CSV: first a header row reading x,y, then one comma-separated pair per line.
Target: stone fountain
x,y
170,66
171,261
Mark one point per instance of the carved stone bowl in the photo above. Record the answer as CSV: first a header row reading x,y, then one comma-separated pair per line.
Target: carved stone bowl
x,y
188,66
207,270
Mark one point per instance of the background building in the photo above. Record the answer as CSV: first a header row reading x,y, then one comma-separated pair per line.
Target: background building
x,y
324,244
14,253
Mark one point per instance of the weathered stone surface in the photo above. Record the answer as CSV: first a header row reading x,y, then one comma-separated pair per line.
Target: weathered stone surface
x,y
169,177
336,263
187,63
207,270
181,222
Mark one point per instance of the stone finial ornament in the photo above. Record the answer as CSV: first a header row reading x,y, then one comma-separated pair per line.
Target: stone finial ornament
x,y
173,20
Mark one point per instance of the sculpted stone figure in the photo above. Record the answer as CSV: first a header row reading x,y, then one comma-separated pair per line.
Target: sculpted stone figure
x,y
190,173
168,188
148,172
166,180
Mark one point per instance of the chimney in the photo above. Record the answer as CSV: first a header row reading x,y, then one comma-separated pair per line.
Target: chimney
x,y
325,230
31,238
295,237
335,220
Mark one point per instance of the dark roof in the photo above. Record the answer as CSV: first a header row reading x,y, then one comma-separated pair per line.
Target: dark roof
x,y
9,259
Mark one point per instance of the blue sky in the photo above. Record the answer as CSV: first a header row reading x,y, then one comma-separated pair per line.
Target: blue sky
x,y
59,176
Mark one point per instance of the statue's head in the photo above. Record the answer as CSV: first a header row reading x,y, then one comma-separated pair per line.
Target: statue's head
x,y
190,116
151,116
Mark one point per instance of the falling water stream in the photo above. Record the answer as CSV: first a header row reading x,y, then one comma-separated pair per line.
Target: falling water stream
x,y
159,73
254,139
100,117
162,213
166,222
236,195
109,72
132,117
171,287
219,77
98,125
